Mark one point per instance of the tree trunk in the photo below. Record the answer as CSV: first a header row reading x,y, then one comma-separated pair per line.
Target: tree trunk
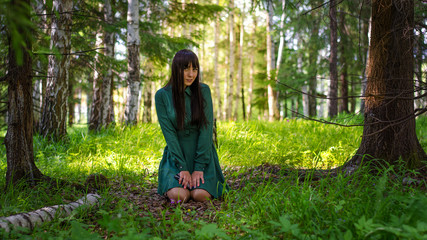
x,y
39,9
19,136
133,42
239,89
228,104
333,87
252,68
107,106
71,103
54,118
147,93
216,56
313,53
343,106
273,111
35,218
366,28
95,109
389,129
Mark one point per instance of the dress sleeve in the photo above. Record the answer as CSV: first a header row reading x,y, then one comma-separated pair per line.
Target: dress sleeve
x,y
168,129
205,143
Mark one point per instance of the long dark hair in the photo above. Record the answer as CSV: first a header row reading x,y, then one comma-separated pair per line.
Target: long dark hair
x,y
181,61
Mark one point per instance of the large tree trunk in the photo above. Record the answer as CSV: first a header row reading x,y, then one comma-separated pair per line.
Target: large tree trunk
x,y
107,111
333,87
133,43
273,111
389,130
19,136
54,118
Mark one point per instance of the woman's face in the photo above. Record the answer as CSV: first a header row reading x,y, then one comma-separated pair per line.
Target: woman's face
x,y
190,74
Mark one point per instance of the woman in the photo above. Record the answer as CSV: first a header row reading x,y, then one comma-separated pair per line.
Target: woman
x,y
190,166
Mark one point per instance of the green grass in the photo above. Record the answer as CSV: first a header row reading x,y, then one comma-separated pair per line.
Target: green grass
x,y
283,206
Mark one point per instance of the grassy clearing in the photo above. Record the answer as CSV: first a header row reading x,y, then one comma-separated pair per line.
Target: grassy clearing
x,y
265,205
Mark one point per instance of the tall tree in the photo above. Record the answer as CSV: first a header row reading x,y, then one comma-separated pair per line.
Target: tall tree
x,y
54,114
343,105
273,111
19,136
333,86
40,67
251,68
313,53
239,90
216,84
389,126
228,100
133,43
107,106
95,109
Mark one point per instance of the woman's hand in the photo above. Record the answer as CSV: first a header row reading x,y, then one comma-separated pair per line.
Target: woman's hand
x,y
196,177
185,179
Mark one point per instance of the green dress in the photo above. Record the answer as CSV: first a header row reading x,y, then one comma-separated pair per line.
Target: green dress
x,y
190,149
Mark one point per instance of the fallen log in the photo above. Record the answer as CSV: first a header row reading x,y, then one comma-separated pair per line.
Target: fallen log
x,y
46,214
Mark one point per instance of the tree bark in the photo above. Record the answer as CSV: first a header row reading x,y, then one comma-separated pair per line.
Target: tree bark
x,y
273,111
343,106
107,105
54,118
19,135
133,43
228,104
216,56
313,53
251,67
39,9
389,130
95,109
333,87
33,219
239,89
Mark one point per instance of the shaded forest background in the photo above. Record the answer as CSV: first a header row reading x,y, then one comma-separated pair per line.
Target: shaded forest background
x,y
263,59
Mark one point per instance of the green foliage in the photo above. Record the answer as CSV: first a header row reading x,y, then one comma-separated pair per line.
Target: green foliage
x,y
282,206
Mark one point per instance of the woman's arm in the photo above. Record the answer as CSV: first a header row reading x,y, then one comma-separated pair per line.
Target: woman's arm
x,y
169,132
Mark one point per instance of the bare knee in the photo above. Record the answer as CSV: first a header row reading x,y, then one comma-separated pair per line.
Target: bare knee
x,y
200,195
178,194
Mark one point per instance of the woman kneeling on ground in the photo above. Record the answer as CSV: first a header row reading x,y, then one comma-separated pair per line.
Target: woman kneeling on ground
x,y
190,166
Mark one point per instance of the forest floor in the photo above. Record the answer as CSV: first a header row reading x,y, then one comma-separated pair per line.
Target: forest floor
x,y
146,202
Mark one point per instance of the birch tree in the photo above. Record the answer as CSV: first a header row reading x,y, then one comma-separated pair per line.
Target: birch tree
x,y
54,114
133,43
95,112
107,106
273,111
216,85
252,44
333,86
228,100
239,90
